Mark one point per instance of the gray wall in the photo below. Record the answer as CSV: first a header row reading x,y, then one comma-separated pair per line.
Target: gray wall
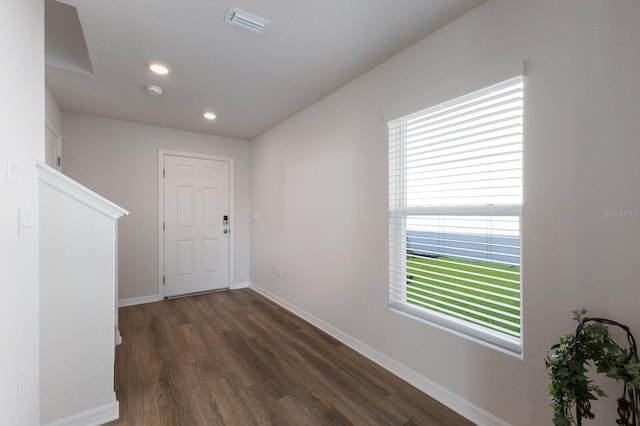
x,y
119,160
319,190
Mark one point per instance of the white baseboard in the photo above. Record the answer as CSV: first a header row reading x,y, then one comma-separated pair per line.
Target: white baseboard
x,y
238,286
429,387
94,417
137,300
117,337
154,298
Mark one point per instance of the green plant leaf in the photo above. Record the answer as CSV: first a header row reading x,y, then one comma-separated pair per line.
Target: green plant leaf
x,y
567,361
578,314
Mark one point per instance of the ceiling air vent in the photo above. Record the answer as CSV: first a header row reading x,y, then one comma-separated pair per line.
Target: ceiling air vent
x,y
241,19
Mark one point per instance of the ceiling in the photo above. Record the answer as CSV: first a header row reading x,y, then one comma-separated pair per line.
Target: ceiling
x,y
251,82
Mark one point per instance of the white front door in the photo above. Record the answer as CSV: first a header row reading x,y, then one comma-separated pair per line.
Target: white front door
x,y
197,231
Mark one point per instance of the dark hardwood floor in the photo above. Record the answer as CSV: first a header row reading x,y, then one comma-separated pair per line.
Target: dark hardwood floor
x,y
236,358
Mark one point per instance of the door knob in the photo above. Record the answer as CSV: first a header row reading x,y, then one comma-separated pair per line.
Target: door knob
x,y
226,231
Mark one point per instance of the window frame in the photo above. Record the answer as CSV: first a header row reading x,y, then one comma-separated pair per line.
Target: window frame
x,y
398,212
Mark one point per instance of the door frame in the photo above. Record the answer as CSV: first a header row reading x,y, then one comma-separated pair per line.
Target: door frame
x,y
161,154
58,134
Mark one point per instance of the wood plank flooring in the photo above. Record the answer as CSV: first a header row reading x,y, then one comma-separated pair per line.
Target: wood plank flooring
x,y
236,358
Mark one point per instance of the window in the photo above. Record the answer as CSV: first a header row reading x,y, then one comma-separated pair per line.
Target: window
x,y
455,186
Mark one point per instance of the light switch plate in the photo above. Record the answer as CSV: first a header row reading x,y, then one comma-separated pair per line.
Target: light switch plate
x,y
13,172
24,220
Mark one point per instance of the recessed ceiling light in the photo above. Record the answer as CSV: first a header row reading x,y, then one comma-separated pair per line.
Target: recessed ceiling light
x,y
209,115
159,68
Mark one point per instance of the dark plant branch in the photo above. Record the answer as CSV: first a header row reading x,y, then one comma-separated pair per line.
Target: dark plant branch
x,y
570,388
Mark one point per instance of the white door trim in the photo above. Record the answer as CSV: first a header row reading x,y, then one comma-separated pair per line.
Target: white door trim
x,y
58,134
161,154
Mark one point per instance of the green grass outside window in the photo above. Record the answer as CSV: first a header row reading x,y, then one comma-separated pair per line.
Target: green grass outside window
x,y
467,282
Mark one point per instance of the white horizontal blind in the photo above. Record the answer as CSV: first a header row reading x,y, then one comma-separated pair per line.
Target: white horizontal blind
x,y
455,185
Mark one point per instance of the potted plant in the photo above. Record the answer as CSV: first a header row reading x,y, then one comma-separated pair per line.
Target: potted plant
x,y
567,364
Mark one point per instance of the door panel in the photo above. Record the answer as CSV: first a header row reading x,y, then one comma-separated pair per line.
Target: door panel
x,y
186,204
196,198
211,252
185,258
211,203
